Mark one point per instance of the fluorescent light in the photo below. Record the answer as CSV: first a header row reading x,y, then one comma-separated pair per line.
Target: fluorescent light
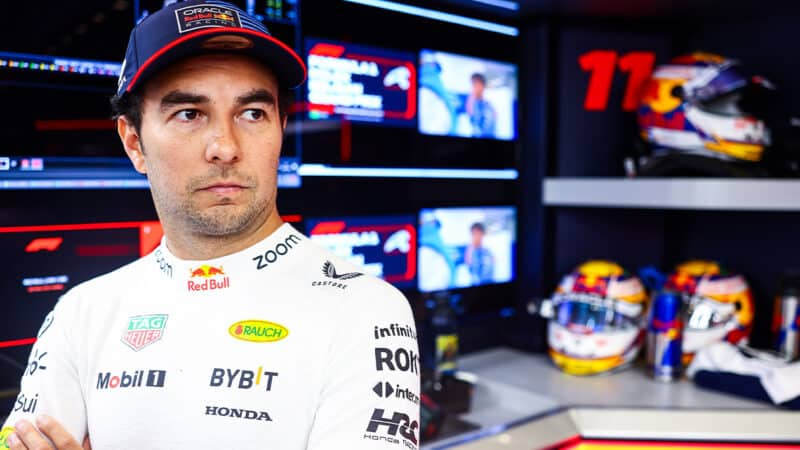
x,y
505,4
441,16
320,170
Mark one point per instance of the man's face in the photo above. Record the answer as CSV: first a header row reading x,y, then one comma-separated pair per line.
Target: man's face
x,y
477,88
477,237
210,141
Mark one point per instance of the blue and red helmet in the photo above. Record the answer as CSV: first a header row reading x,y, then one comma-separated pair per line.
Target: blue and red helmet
x,y
704,104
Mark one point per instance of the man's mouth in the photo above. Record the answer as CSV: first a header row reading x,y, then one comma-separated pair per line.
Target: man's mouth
x,y
224,188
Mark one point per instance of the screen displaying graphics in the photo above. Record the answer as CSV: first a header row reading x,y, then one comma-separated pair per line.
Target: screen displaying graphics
x,y
360,83
466,96
281,11
45,261
49,260
384,246
464,247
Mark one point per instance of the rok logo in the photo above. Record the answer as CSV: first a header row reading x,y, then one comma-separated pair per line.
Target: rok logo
x,y
258,331
398,423
384,389
26,403
208,279
238,413
144,330
242,379
400,360
135,379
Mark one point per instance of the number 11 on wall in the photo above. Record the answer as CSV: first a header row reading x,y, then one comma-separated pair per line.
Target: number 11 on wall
x,y
602,65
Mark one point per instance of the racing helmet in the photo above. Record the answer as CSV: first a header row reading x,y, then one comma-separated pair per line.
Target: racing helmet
x,y
597,322
703,104
718,305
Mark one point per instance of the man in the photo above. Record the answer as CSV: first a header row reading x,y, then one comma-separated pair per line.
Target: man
x,y
478,258
237,331
481,114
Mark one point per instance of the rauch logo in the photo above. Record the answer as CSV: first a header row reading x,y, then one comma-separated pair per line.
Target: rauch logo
x,y
210,279
258,331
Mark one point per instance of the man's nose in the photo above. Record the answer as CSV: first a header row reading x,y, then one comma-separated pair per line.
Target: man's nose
x,y
224,144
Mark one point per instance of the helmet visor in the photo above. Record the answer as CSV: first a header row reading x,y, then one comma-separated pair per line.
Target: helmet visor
x,y
703,313
588,314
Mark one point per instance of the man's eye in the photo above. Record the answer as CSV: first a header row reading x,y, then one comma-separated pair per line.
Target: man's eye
x,y
253,114
187,115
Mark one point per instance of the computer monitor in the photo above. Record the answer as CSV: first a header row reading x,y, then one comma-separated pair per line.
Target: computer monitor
x,y
361,83
467,96
383,246
466,247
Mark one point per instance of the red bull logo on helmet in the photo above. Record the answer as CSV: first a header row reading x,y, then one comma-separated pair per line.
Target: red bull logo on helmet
x,y
210,277
590,285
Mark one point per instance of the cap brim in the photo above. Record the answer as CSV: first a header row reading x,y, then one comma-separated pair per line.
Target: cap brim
x,y
277,56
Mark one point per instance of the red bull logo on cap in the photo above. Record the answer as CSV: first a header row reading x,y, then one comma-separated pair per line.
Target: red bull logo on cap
x,y
210,276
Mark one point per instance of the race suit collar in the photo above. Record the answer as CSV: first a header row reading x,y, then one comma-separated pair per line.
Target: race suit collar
x,y
221,273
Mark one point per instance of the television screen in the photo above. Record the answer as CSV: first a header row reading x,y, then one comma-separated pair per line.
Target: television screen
x,y
466,96
465,247
73,143
384,246
360,83
51,259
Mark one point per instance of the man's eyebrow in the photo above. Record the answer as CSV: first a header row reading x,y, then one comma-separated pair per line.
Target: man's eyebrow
x,y
256,96
179,97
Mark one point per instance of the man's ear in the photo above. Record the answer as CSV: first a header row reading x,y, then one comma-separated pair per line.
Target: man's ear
x,y
132,143
285,121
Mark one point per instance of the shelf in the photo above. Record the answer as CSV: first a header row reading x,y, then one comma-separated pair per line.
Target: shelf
x,y
674,193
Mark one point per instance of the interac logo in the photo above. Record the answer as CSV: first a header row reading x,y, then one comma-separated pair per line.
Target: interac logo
x,y
384,389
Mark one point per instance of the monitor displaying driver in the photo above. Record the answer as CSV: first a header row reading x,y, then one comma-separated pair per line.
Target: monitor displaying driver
x,y
466,96
465,247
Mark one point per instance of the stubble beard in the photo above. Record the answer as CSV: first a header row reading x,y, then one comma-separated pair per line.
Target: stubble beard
x,y
224,219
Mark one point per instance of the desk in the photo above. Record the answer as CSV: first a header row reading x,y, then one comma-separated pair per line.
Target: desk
x,y
527,390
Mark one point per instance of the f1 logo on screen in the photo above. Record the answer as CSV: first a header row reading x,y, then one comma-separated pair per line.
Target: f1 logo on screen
x,y
601,64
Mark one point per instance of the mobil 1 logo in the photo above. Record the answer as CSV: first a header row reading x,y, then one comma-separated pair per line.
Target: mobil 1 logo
x,y
396,360
393,428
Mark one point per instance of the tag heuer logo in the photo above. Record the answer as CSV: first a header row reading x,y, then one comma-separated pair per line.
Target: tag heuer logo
x,y
144,330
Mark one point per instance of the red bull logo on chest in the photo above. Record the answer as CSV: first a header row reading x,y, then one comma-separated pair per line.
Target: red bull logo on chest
x,y
207,278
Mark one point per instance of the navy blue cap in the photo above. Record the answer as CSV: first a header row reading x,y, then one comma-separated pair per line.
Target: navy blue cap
x,y
195,27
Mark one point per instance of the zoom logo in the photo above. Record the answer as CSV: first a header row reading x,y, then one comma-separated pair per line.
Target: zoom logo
x,y
271,256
